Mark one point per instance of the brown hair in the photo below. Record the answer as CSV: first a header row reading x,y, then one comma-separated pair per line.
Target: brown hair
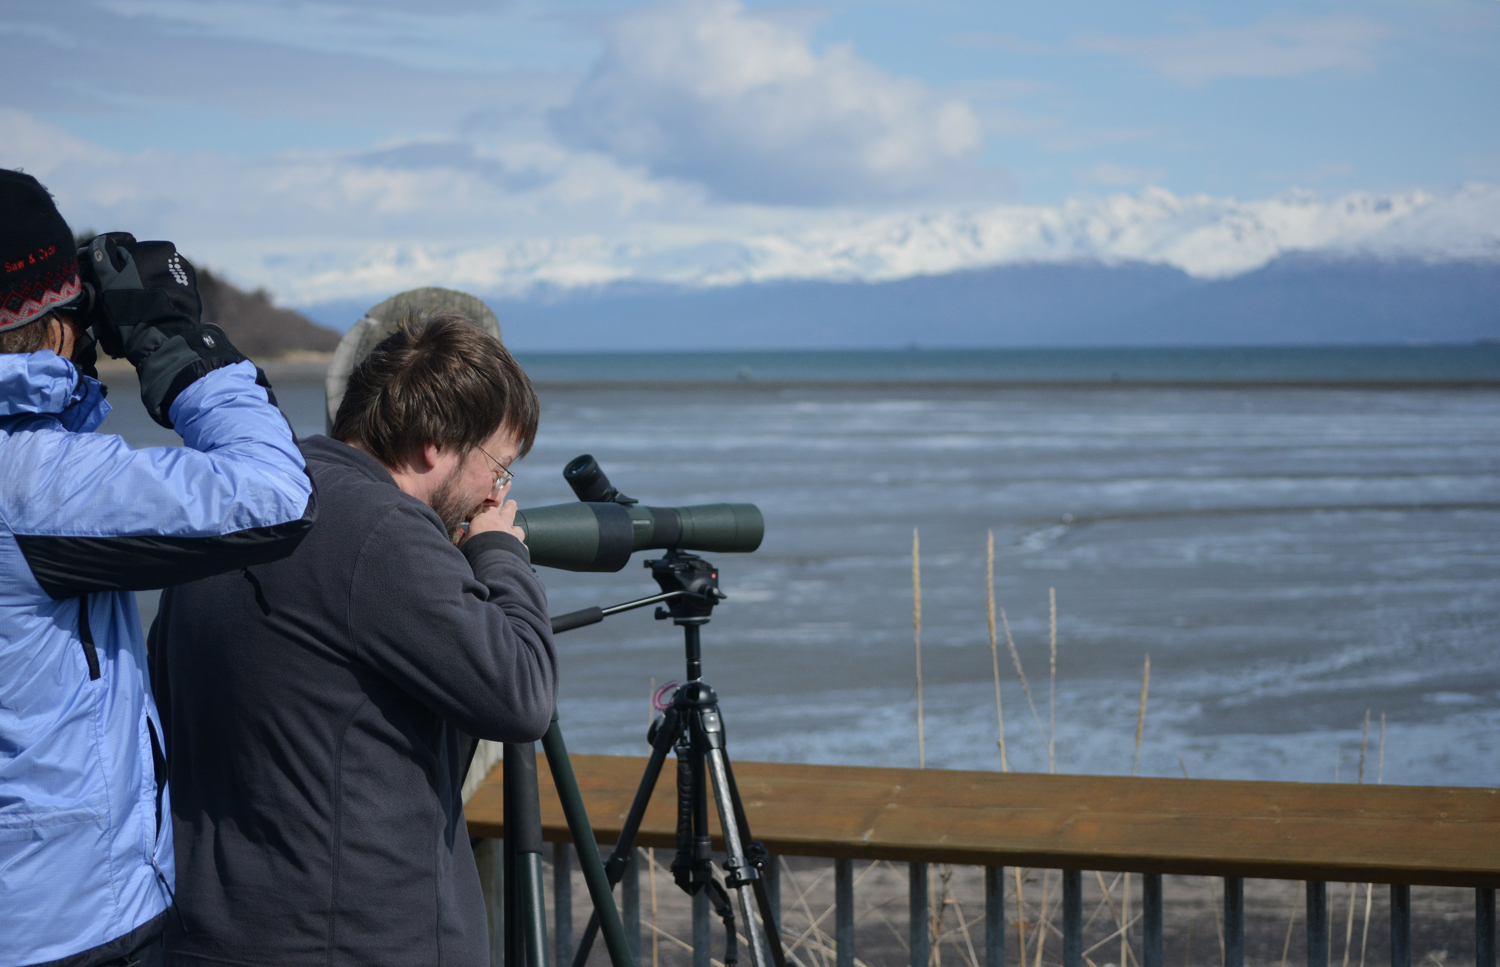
x,y
30,338
442,381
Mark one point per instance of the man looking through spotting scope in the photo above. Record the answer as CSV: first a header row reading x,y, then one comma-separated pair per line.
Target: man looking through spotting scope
x,y
86,865
322,757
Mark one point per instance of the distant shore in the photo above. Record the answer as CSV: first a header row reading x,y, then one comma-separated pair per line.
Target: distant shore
x,y
1227,367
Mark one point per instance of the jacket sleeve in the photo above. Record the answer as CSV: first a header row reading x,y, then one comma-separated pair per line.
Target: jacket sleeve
x,y
471,641
99,516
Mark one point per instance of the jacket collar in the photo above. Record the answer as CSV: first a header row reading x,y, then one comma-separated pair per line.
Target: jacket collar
x,y
324,449
44,382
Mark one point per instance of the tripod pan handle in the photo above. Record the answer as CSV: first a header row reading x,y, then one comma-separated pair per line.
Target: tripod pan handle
x,y
577,619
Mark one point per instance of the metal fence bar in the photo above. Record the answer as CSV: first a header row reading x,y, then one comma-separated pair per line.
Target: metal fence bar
x,y
773,889
1151,926
1484,927
843,912
994,916
1072,917
702,931
630,904
1400,925
920,909
562,904
1234,921
1317,923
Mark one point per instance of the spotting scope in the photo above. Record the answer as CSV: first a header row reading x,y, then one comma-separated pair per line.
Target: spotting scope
x,y
602,530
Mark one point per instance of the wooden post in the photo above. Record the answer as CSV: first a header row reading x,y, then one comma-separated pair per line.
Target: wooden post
x,y
994,916
920,910
843,912
1072,916
1234,921
562,904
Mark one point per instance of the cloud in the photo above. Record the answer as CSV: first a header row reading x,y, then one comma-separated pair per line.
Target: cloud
x,y
701,90
513,218
138,65
1278,47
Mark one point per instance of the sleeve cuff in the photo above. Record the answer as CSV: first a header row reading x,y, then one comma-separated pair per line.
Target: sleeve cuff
x,y
494,541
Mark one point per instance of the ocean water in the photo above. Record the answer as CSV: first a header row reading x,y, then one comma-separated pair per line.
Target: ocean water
x,y
1290,557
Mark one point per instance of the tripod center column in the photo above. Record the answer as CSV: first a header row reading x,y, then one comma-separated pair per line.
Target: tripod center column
x,y
692,643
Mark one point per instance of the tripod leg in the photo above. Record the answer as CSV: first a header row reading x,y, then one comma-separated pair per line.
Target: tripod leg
x,y
739,874
526,920
666,735
588,849
762,891
742,876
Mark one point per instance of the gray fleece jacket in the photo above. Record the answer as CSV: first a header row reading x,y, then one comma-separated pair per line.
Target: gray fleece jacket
x,y
320,712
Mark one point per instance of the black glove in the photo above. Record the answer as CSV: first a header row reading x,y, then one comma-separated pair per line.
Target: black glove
x,y
146,308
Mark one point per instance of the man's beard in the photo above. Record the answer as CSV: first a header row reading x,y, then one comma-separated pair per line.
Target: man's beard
x,y
450,507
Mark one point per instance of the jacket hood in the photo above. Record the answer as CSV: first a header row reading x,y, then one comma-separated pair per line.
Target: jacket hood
x,y
44,382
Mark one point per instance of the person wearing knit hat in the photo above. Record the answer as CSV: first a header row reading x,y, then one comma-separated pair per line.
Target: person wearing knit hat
x,y
36,254
85,521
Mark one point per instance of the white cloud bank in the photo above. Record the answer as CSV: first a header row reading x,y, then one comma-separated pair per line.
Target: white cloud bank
x,y
507,219
701,90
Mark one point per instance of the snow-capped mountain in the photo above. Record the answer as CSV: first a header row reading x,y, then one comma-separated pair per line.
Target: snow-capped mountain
x,y
1203,236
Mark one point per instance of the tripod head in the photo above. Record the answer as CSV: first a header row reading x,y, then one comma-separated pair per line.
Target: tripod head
x,y
694,584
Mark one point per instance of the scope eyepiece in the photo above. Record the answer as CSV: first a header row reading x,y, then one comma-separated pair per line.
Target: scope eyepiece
x,y
589,483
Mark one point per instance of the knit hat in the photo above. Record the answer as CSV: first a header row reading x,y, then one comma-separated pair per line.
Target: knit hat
x,y
38,263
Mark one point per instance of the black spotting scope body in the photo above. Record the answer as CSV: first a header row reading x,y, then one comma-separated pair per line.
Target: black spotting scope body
x,y
601,536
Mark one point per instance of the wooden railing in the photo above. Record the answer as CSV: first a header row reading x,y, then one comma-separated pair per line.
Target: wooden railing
x,y
1318,833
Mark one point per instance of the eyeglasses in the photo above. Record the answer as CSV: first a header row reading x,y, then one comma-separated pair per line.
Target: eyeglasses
x,y
503,475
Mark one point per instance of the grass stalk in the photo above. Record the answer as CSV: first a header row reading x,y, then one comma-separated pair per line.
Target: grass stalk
x,y
1349,924
989,583
1286,946
1380,776
1364,741
1020,914
1052,683
1042,919
1015,657
1219,921
1364,939
916,593
1140,720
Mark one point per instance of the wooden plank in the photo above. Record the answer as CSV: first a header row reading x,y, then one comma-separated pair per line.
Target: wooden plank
x,y
1308,831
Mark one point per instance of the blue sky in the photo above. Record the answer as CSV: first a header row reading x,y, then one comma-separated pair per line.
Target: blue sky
x,y
318,147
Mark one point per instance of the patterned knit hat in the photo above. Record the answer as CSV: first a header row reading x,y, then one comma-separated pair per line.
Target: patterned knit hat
x,y
38,264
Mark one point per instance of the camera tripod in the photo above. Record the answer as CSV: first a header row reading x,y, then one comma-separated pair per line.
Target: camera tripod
x,y
692,727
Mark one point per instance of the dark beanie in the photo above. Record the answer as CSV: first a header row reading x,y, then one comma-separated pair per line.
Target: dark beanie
x,y
38,264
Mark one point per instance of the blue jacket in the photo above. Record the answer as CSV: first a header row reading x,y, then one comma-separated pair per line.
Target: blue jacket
x,y
85,824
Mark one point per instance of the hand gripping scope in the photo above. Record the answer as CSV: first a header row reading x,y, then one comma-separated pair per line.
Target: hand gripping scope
x,y
601,531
